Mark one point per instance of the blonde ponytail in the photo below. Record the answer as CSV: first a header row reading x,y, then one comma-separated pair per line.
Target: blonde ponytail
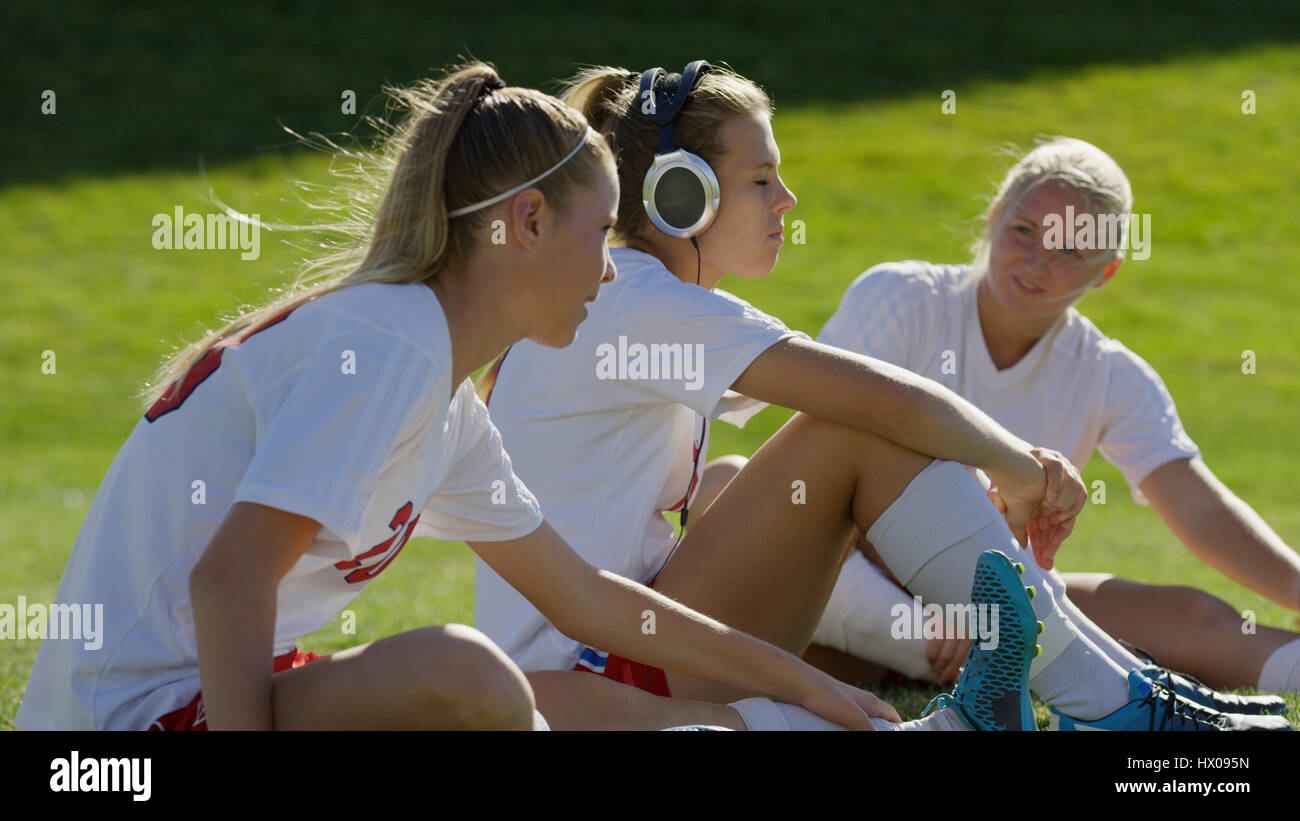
x,y
465,138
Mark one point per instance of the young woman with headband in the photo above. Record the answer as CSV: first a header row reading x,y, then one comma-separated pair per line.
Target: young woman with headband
x,y
325,425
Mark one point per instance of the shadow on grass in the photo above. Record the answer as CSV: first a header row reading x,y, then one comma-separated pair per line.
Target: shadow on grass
x,y
156,88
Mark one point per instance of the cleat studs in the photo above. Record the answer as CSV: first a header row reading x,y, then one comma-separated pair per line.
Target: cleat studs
x,y
1041,628
1030,591
1038,650
1020,568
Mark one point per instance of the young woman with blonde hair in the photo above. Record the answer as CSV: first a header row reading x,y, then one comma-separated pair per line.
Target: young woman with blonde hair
x,y
326,425
611,448
1003,332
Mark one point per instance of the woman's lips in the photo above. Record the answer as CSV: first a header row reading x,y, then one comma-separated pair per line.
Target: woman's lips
x,y
1020,283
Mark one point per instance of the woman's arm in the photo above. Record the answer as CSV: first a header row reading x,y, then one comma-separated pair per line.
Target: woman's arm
x,y
607,611
233,591
1222,530
1039,487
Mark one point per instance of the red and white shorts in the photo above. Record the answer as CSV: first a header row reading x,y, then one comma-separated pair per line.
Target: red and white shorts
x,y
625,671
193,717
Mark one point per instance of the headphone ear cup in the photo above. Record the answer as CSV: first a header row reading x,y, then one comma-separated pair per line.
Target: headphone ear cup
x,y
681,194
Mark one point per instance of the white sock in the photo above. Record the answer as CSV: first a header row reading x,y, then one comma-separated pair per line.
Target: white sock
x,y
946,720
765,714
539,721
931,538
1281,673
859,615
1103,640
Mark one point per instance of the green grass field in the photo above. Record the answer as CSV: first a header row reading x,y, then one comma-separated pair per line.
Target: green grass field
x,y
880,172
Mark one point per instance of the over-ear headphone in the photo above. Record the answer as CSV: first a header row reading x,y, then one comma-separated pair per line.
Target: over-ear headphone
x,y
680,192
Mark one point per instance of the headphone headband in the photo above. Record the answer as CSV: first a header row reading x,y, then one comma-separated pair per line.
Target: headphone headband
x,y
662,96
680,192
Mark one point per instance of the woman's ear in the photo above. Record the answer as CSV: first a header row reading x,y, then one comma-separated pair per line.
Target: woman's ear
x,y
526,212
991,221
1110,270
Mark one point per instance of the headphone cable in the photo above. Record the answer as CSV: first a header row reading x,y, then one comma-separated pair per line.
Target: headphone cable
x,y
697,259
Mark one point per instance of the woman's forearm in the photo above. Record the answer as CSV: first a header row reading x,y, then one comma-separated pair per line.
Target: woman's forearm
x,y
1222,530
896,404
633,621
1237,542
234,652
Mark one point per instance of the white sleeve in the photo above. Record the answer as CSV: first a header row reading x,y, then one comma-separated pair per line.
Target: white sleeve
x,y
1142,429
719,336
327,435
481,500
869,320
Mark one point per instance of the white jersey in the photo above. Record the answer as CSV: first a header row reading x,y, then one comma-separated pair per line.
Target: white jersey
x,y
343,410
1075,391
606,436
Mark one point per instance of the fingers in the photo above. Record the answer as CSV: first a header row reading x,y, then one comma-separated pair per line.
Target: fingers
x,y
996,498
961,648
1055,474
946,657
1064,486
933,649
879,708
1018,529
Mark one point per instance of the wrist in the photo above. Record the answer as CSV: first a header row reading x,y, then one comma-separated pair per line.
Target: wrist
x,y
1020,467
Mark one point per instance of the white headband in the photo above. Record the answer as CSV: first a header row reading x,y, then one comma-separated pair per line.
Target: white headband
x,y
507,194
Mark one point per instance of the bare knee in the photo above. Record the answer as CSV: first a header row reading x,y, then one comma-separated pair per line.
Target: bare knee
x,y
472,683
715,477
1197,611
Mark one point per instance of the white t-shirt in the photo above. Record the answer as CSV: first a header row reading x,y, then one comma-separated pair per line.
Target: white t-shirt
x,y
1074,391
607,450
342,411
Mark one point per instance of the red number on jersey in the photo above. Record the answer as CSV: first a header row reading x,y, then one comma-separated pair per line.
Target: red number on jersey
x,y
181,389
402,530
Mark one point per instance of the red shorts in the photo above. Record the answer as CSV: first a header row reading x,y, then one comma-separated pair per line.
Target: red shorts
x,y
193,717
617,668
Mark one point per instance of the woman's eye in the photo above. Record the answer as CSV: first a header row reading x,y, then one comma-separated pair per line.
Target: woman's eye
x,y
760,182
1024,230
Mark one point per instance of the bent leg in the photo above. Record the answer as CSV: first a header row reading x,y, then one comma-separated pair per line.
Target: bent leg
x,y
1185,629
717,474
764,557
450,677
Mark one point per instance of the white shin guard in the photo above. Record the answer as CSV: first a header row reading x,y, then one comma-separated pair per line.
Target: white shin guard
x,y
860,616
931,538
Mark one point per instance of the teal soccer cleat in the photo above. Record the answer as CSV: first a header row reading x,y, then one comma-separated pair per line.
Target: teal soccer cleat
x,y
1154,706
1193,690
993,690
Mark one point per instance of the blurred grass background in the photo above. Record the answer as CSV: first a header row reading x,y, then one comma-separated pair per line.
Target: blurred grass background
x,y
144,95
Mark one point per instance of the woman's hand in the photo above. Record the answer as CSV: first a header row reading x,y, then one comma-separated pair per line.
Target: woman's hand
x,y
1041,510
846,705
603,610
946,656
